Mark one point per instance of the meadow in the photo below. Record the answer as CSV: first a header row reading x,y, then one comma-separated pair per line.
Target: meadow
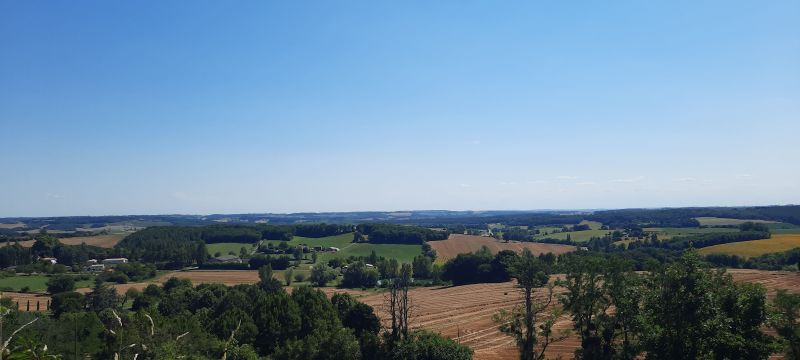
x,y
669,233
401,252
226,248
34,282
716,221
577,236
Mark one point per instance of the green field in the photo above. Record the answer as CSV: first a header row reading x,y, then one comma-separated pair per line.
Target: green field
x,y
35,282
403,253
669,233
783,228
225,248
577,236
328,241
594,225
715,221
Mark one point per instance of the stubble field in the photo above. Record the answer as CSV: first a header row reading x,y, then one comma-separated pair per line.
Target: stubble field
x,y
459,244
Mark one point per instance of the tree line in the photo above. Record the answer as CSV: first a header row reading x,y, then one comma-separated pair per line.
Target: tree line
x,y
400,234
680,310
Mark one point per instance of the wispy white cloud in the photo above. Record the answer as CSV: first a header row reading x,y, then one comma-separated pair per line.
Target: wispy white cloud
x,y
464,185
686,179
54,196
537,182
586,183
629,180
743,176
566,177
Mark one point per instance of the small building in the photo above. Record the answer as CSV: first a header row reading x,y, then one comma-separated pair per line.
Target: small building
x,y
225,259
583,248
91,262
96,268
50,260
332,249
115,261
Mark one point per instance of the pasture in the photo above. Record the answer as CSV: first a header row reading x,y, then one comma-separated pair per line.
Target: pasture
x,y
577,236
777,243
669,232
715,221
401,252
226,248
459,244
335,241
34,282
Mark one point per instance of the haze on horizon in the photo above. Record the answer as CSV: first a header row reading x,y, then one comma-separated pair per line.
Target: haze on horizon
x,y
211,107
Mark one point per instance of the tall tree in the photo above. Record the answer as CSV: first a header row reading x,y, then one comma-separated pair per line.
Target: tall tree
x,y
522,322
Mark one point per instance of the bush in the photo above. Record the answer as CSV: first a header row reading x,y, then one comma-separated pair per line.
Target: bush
x,y
60,284
321,275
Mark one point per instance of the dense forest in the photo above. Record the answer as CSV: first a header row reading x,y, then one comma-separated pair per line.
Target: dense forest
x,y
399,234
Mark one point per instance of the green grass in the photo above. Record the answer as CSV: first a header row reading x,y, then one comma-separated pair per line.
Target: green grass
x,y
669,233
577,236
334,241
35,282
783,228
403,253
224,248
716,221
594,225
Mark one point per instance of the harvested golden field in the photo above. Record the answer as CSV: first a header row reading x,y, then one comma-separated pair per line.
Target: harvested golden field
x,y
12,225
465,312
777,243
227,277
105,241
459,244
22,299
25,243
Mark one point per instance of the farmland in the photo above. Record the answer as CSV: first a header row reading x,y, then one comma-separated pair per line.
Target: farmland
x,y
777,243
577,236
226,248
401,252
11,225
33,282
105,241
465,312
715,221
457,244
669,232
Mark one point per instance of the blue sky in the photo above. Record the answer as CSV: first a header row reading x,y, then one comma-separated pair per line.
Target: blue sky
x,y
219,107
